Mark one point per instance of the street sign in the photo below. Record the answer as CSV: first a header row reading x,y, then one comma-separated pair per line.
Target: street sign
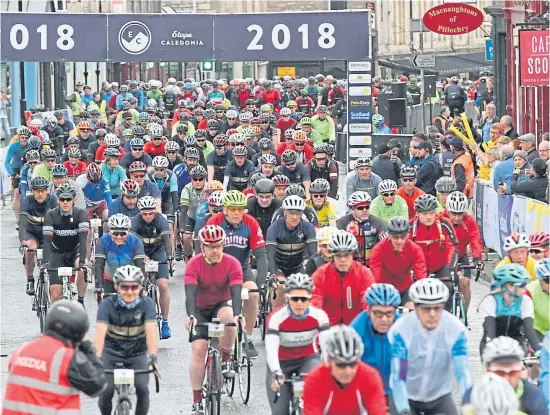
x,y
489,50
424,61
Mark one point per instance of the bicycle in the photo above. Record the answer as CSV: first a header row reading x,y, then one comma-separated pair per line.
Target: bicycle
x,y
95,224
68,281
123,380
296,382
212,386
152,290
458,304
267,295
41,299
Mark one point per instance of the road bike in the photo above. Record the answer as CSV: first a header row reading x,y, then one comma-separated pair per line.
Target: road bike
x,y
296,382
95,225
68,281
41,299
152,290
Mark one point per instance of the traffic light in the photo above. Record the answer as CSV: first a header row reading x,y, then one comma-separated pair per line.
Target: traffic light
x,y
207,66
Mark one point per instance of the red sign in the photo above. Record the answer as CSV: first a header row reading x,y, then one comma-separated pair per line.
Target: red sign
x,y
453,19
534,57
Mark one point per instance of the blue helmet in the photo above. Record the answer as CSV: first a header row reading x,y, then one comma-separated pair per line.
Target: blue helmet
x,y
34,142
144,116
542,268
383,294
59,170
188,85
190,140
510,273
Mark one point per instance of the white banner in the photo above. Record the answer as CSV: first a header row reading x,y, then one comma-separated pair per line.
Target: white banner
x,y
5,184
519,213
491,224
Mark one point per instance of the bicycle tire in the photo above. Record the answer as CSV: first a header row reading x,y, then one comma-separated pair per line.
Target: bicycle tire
x,y
43,305
462,309
215,405
124,407
245,368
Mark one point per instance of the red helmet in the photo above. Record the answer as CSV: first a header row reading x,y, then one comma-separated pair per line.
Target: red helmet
x,y
33,129
93,173
137,166
539,240
212,234
129,188
281,180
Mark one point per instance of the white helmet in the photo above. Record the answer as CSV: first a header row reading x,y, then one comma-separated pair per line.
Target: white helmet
x,y
245,116
111,140
155,130
493,395
324,234
119,221
171,80
387,186
457,202
231,114
342,241
128,273
37,122
357,198
294,203
516,240
152,103
429,291
343,344
285,112
147,203
160,162
502,349
172,146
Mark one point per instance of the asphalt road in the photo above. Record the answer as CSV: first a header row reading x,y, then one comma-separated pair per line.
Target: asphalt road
x,y
19,324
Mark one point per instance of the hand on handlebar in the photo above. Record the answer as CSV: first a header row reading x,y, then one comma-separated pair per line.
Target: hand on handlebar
x,y
188,322
277,379
239,320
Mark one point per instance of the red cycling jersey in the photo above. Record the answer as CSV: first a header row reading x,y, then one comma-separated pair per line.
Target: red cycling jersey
x,y
392,267
438,243
467,233
307,150
101,150
153,150
364,395
243,95
342,298
271,97
76,170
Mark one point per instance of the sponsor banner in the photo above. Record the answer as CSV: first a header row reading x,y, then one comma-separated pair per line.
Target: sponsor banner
x,y
359,116
534,57
491,220
538,216
504,218
359,66
519,213
362,102
5,181
360,140
478,206
360,128
361,91
359,78
356,152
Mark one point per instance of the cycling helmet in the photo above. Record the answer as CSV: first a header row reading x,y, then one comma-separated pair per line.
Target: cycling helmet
x,y
216,199
212,234
124,106
383,294
128,273
319,186
51,121
66,190
493,395
191,153
73,140
377,120
198,172
282,180
298,281
514,274
156,120
264,186
84,125
137,142
343,344
245,116
234,198
58,114
502,350
265,144
212,124
362,162
232,114
119,222
137,166
94,173
240,138
155,131
190,140
322,109
200,133
295,189
539,240
34,142
324,234
100,124
198,111
39,183
457,202
182,128
111,152
289,157
128,134
330,149
171,146
342,242
398,226
291,104
265,108
48,153
425,203
209,113
285,112
240,151
220,140
254,177
160,162
359,198
129,188
100,133
387,186
34,155
23,130
293,202
74,153
299,136
67,320
408,172
542,269
429,291
112,140
47,143
147,203
516,240
445,185
93,113
268,159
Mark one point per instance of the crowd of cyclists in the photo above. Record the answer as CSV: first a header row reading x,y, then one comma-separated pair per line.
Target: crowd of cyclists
x,y
238,181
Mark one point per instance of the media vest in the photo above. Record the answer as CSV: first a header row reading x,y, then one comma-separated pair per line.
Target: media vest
x,y
466,162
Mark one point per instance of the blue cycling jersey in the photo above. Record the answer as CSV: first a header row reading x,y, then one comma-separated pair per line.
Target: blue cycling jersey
x,y
94,194
13,157
119,207
114,177
182,175
119,255
25,176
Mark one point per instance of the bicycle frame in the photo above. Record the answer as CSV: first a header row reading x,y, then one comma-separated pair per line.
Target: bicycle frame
x,y
296,383
152,290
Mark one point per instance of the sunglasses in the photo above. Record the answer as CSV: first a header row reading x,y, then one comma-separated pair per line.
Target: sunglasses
x,y
32,163
366,207
235,209
296,299
150,213
345,365
380,314
138,176
50,160
116,233
160,169
132,287
408,180
137,148
317,196
157,138
299,144
202,140
320,159
66,200
388,194
536,251
200,179
171,152
505,372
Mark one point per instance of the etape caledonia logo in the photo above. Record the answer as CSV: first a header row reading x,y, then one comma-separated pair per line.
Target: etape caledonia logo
x,y
134,37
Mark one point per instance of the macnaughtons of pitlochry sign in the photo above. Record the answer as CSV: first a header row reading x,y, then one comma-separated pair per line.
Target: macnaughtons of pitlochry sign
x,y
453,19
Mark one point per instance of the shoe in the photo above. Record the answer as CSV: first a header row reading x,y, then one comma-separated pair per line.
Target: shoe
x,y
251,351
197,409
165,331
179,253
30,287
227,369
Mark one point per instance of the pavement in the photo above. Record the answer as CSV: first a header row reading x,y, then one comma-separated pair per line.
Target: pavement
x,y
19,324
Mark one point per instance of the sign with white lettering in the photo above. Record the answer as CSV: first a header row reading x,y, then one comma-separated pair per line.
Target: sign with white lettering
x,y
534,57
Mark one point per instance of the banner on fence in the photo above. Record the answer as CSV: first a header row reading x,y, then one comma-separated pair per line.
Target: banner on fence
x,y
5,185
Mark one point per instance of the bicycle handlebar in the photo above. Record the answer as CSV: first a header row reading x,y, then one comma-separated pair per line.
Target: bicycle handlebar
x,y
293,378
142,372
194,325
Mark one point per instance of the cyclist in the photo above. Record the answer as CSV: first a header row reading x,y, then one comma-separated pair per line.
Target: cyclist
x,y
215,205
266,165
362,178
388,204
297,190
31,218
111,142
238,171
343,384
444,186
243,238
507,310
322,256
409,191
213,283
155,147
32,159
138,173
112,171
218,159
59,177
394,259
539,292
373,325
290,340
467,233
324,209
320,167
516,247
503,357
136,153
127,202
100,134
266,149
281,184
263,206
48,161
540,245
47,373
191,157
254,177
304,152
492,394
154,231
288,239
74,165
437,240
172,154
425,346
340,285
12,163
296,172
65,232
167,184
367,228
192,196
134,315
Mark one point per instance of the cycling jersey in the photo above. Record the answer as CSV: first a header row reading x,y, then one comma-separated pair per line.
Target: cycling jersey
x,y
367,233
154,235
116,256
541,303
355,183
325,214
341,296
308,215
529,266
166,184
153,150
42,170
149,189
100,151
25,176
75,170
65,232
467,233
385,212
32,213
182,175
219,163
191,198
114,177
264,216
423,360
377,352
364,395
128,159
438,243
291,337
119,207
13,157
329,173
392,267
409,199
297,176
94,194
236,177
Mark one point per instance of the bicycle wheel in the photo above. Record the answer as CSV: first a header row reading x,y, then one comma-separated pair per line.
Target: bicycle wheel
x,y
124,407
230,383
215,383
244,369
214,405
43,304
461,305
155,297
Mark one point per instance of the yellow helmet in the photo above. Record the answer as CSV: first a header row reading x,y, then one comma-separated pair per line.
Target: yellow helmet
x,y
324,234
226,103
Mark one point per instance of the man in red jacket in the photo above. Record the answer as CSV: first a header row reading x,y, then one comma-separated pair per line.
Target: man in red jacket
x,y
467,233
339,286
299,145
395,257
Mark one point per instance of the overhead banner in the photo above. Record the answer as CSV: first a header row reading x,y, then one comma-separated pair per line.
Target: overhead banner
x,y
534,57
54,37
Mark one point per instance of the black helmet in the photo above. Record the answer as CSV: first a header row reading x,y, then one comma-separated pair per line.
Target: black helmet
x,y
255,177
39,183
295,190
398,226
264,186
289,156
425,203
265,144
303,93
311,80
67,320
182,128
212,124
138,131
250,101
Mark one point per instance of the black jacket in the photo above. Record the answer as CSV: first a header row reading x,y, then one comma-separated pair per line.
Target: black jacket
x,y
386,169
534,188
428,174
86,370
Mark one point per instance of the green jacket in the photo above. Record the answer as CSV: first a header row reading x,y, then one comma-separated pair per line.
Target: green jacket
x,y
316,137
207,149
41,170
324,127
385,212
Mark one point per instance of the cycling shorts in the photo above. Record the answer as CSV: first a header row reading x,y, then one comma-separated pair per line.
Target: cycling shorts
x,y
465,260
160,256
189,225
96,210
38,238
60,259
287,272
167,209
248,275
444,405
15,181
444,275
206,316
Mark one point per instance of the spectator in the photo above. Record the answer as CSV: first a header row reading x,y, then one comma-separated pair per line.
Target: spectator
x,y
445,157
521,166
546,137
544,148
486,123
415,140
443,120
503,172
386,165
5,125
528,142
429,170
536,186
462,170
509,130
503,140
493,159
